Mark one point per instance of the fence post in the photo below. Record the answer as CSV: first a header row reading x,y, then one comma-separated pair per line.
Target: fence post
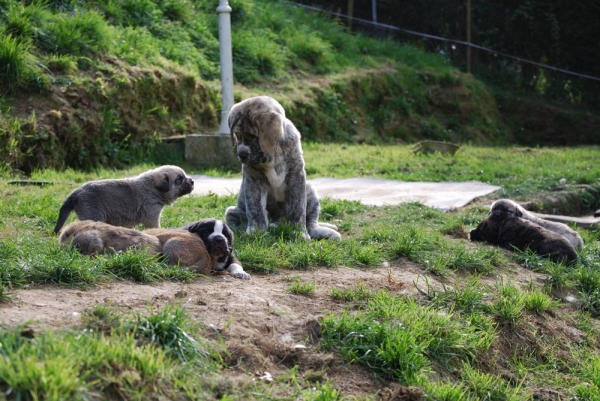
x,y
224,11
469,36
374,10
350,13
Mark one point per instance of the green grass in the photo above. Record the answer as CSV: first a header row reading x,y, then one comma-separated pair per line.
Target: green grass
x,y
128,358
400,339
299,287
143,69
358,293
453,323
521,172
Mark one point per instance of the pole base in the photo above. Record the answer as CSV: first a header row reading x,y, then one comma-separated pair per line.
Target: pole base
x,y
211,151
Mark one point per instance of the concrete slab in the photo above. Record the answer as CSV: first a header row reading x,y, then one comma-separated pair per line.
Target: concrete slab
x,y
370,191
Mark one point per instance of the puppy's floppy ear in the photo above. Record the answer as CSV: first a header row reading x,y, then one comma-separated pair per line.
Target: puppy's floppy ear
x,y
161,182
229,235
193,228
271,129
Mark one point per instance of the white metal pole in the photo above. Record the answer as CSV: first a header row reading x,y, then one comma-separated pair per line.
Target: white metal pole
x,y
224,12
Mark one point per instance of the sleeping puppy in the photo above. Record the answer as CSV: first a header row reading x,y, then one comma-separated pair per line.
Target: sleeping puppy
x,y
218,239
274,186
506,208
127,202
522,234
95,237
183,248
178,246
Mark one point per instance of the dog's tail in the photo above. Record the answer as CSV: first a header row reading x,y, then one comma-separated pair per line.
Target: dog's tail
x,y
67,207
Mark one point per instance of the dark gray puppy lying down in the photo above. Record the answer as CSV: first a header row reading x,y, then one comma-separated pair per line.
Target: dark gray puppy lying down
x,y
504,208
522,234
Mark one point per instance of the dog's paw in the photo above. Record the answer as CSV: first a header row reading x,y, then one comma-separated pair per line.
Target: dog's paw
x,y
332,226
237,271
241,275
321,232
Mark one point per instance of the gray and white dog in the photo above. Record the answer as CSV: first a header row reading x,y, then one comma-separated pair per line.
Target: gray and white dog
x,y
506,208
274,186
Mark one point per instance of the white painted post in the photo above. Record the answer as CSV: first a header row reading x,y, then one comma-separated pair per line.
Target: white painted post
x,y
224,11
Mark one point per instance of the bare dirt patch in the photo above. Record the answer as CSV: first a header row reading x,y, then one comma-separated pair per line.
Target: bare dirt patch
x,y
265,327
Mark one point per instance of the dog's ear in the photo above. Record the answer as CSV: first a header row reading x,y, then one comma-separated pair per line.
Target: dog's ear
x,y
229,235
162,183
271,130
193,228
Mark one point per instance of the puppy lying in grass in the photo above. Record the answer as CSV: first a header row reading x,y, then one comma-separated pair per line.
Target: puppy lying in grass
x,y
522,234
505,208
178,246
94,237
218,238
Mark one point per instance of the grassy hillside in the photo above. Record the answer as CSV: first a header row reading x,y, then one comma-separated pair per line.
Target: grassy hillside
x,y
98,83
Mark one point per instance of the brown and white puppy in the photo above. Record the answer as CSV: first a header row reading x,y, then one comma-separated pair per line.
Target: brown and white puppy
x,y
506,208
95,237
522,234
218,239
178,246
274,186
183,248
127,202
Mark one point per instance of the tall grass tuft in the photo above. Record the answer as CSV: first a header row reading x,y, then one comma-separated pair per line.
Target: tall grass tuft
x,y
299,287
170,328
81,33
128,359
17,65
490,387
399,339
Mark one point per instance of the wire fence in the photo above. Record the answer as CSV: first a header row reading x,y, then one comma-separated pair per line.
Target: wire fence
x,y
495,66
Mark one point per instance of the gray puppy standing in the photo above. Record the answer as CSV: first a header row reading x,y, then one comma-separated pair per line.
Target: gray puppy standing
x,y
506,208
274,186
522,234
127,202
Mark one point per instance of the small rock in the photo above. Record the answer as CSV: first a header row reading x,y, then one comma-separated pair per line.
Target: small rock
x,y
265,377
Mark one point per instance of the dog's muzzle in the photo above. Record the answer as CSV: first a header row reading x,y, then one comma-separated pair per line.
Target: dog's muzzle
x,y
243,155
218,245
188,187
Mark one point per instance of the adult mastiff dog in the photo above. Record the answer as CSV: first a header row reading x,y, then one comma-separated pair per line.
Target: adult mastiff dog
x,y
274,187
